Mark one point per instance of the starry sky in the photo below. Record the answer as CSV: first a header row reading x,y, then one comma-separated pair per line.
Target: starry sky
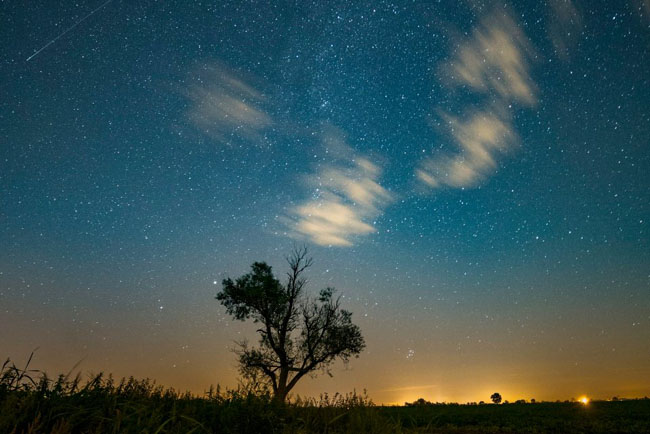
x,y
473,177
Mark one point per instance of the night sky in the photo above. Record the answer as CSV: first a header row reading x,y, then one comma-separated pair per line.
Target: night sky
x,y
473,177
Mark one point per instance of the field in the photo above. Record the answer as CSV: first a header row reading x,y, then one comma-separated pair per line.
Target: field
x,y
102,405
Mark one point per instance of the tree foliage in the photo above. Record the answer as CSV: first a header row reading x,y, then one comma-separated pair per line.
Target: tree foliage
x,y
496,398
298,334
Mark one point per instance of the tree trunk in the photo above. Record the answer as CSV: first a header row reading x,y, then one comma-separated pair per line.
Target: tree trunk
x,y
280,395
282,391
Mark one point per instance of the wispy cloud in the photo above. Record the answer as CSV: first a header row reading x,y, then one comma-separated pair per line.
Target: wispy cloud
x,y
564,26
480,138
346,197
493,61
224,107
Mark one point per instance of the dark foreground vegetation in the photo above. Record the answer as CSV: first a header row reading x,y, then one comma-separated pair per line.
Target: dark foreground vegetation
x,y
102,405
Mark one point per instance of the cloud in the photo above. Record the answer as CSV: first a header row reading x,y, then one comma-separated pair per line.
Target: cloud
x,y
224,107
494,59
346,196
564,26
480,138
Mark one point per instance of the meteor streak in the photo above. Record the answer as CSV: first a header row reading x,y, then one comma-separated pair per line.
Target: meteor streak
x,y
68,29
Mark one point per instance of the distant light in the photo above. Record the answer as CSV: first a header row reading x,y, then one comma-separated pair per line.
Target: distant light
x,y
584,400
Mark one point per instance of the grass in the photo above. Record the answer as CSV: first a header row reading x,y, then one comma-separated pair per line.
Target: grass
x,y
30,402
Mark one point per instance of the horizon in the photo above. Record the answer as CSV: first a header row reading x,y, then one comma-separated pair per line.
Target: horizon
x,y
293,397
473,179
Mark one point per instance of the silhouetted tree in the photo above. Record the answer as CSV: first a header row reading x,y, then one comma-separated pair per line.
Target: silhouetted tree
x,y
496,398
298,334
418,403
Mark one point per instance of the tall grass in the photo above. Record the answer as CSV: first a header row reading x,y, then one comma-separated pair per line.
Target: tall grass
x,y
31,402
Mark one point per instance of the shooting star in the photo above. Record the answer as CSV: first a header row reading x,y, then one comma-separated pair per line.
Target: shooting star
x,y
68,29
